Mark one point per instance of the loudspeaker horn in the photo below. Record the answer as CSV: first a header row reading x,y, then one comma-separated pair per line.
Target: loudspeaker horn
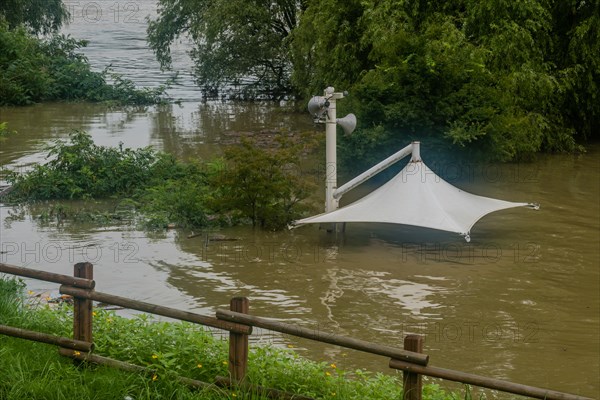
x,y
317,106
348,123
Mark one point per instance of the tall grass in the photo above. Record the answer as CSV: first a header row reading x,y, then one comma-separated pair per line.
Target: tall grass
x,y
35,371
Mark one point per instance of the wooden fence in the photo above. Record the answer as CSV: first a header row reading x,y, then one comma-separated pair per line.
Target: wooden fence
x,y
239,323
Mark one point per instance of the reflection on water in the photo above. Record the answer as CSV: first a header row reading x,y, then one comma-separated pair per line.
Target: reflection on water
x,y
188,130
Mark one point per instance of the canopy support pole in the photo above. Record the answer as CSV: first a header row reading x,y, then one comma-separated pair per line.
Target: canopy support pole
x,y
412,148
331,203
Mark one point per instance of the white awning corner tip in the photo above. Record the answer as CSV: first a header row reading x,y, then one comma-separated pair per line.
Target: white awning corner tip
x,y
293,225
467,236
535,206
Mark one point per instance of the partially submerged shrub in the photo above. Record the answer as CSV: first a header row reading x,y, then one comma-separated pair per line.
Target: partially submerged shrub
x,y
248,184
258,184
80,169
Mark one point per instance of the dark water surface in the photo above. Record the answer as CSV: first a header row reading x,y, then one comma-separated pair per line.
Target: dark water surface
x,y
520,302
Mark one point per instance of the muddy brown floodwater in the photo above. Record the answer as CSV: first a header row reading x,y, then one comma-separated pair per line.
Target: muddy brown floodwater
x,y
520,302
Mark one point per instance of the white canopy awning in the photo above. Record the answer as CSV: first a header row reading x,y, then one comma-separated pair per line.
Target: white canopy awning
x,y
417,196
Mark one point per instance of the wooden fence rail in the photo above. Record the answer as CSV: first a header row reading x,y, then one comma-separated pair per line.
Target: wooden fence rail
x,y
47,276
324,337
482,381
239,323
154,309
68,343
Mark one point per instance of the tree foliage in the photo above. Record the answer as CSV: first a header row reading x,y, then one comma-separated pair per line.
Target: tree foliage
x,y
261,185
502,78
326,47
575,51
34,70
235,42
38,16
80,169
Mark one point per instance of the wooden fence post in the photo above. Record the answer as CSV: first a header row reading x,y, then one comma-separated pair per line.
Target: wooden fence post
x,y
412,383
82,308
238,343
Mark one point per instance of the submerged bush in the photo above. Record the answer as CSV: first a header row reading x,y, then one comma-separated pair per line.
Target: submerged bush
x,y
262,185
181,197
81,169
249,184
4,131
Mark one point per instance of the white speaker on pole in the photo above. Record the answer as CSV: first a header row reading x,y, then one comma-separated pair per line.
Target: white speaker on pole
x,y
317,106
348,123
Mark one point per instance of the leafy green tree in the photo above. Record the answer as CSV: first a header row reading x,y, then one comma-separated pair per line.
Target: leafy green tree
x,y
261,185
327,46
235,42
500,78
517,37
52,68
575,51
39,16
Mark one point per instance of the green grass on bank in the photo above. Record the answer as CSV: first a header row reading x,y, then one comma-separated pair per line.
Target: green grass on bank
x,y
32,370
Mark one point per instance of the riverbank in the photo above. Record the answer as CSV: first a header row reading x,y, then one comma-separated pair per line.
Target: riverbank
x,y
33,370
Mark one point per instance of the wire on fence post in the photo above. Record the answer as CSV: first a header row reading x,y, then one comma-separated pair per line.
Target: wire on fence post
x,y
82,308
412,383
238,343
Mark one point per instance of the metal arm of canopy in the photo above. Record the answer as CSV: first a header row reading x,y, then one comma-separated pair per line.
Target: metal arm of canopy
x,y
412,148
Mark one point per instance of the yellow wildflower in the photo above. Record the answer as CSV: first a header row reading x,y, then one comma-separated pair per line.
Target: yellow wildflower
x,y
30,292
154,377
332,365
76,353
225,363
154,356
94,313
327,373
199,365
291,346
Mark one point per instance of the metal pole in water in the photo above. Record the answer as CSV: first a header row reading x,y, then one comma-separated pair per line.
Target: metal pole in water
x,y
331,203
